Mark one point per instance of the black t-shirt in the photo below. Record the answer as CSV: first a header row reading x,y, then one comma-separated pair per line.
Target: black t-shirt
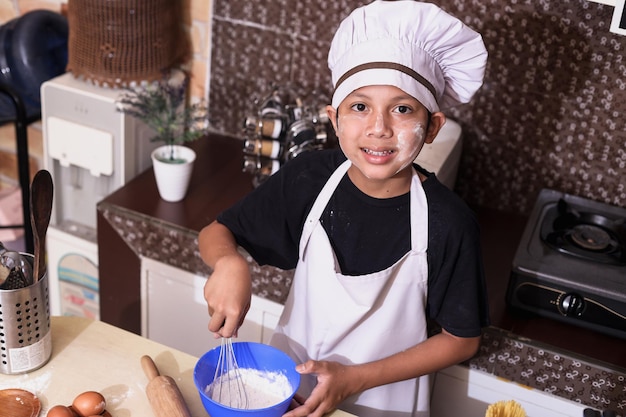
x,y
368,234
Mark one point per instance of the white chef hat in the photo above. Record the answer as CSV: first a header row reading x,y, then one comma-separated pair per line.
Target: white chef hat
x,y
414,46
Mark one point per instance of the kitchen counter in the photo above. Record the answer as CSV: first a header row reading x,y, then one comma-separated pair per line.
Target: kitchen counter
x,y
501,233
134,222
91,355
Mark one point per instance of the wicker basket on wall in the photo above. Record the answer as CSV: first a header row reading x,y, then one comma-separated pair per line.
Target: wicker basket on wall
x,y
117,43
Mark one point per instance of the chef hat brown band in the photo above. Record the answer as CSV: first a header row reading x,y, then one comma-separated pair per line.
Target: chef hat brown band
x,y
412,45
388,65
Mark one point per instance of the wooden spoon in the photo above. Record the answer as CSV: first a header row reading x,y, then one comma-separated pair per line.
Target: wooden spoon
x,y
41,193
18,403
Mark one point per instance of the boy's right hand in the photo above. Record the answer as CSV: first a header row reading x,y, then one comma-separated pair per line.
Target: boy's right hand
x,y
228,292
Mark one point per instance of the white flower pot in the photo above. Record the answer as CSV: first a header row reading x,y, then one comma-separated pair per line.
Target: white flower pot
x,y
172,178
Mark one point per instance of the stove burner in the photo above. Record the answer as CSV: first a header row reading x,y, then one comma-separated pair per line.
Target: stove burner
x,y
585,234
570,263
590,237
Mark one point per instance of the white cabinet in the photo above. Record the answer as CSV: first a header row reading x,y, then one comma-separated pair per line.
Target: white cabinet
x,y
174,312
459,391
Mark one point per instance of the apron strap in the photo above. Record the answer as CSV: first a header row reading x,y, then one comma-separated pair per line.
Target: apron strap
x,y
321,202
419,215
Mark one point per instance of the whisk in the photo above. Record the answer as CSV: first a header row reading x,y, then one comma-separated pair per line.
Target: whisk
x,y
228,387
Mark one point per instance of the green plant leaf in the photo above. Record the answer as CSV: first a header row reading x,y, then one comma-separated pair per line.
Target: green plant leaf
x,y
161,106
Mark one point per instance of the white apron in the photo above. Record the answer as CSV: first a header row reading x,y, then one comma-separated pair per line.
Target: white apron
x,y
358,319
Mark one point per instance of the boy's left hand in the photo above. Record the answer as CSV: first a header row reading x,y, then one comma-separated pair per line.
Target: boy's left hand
x,y
335,382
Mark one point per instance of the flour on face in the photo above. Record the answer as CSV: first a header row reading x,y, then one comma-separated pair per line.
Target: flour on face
x,y
410,142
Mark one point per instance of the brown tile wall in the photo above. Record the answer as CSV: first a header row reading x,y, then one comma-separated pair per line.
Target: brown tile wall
x,y
550,113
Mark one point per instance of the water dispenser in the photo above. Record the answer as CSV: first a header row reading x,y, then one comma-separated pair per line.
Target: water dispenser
x,y
90,149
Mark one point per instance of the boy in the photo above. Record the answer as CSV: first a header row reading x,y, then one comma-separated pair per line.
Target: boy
x,y
380,247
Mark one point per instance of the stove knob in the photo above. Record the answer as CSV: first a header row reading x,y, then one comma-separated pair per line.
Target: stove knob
x,y
571,304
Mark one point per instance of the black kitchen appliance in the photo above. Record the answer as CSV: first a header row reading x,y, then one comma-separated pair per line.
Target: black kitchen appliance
x,y
570,264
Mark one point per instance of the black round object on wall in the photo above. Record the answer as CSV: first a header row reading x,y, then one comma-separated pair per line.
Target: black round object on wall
x,y
33,49
5,38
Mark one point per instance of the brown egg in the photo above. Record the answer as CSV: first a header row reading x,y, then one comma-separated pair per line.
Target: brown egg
x,y
89,403
60,411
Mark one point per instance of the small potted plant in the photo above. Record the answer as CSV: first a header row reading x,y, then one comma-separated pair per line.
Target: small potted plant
x,y
162,106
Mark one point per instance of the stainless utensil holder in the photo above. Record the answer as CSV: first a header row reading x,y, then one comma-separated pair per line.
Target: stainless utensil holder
x,y
25,339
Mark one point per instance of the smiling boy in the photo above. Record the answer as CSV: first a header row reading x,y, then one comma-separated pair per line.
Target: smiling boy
x,y
380,247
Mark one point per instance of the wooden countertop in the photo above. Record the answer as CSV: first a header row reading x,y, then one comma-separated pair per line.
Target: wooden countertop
x,y
90,355
218,182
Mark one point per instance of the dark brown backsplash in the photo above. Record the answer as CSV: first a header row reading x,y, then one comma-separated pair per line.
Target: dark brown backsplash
x,y
550,113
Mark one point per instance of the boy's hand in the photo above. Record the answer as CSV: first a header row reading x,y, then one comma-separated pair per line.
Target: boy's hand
x,y
335,382
227,292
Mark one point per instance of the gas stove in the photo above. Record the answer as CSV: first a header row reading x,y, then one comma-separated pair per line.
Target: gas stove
x,y
570,264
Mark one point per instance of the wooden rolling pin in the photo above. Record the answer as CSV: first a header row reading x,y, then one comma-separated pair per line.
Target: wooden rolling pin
x,y
165,398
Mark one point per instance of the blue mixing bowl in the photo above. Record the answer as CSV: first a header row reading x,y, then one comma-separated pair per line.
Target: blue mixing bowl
x,y
249,355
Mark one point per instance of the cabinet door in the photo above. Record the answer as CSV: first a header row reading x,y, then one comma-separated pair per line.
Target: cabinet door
x,y
459,391
174,312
